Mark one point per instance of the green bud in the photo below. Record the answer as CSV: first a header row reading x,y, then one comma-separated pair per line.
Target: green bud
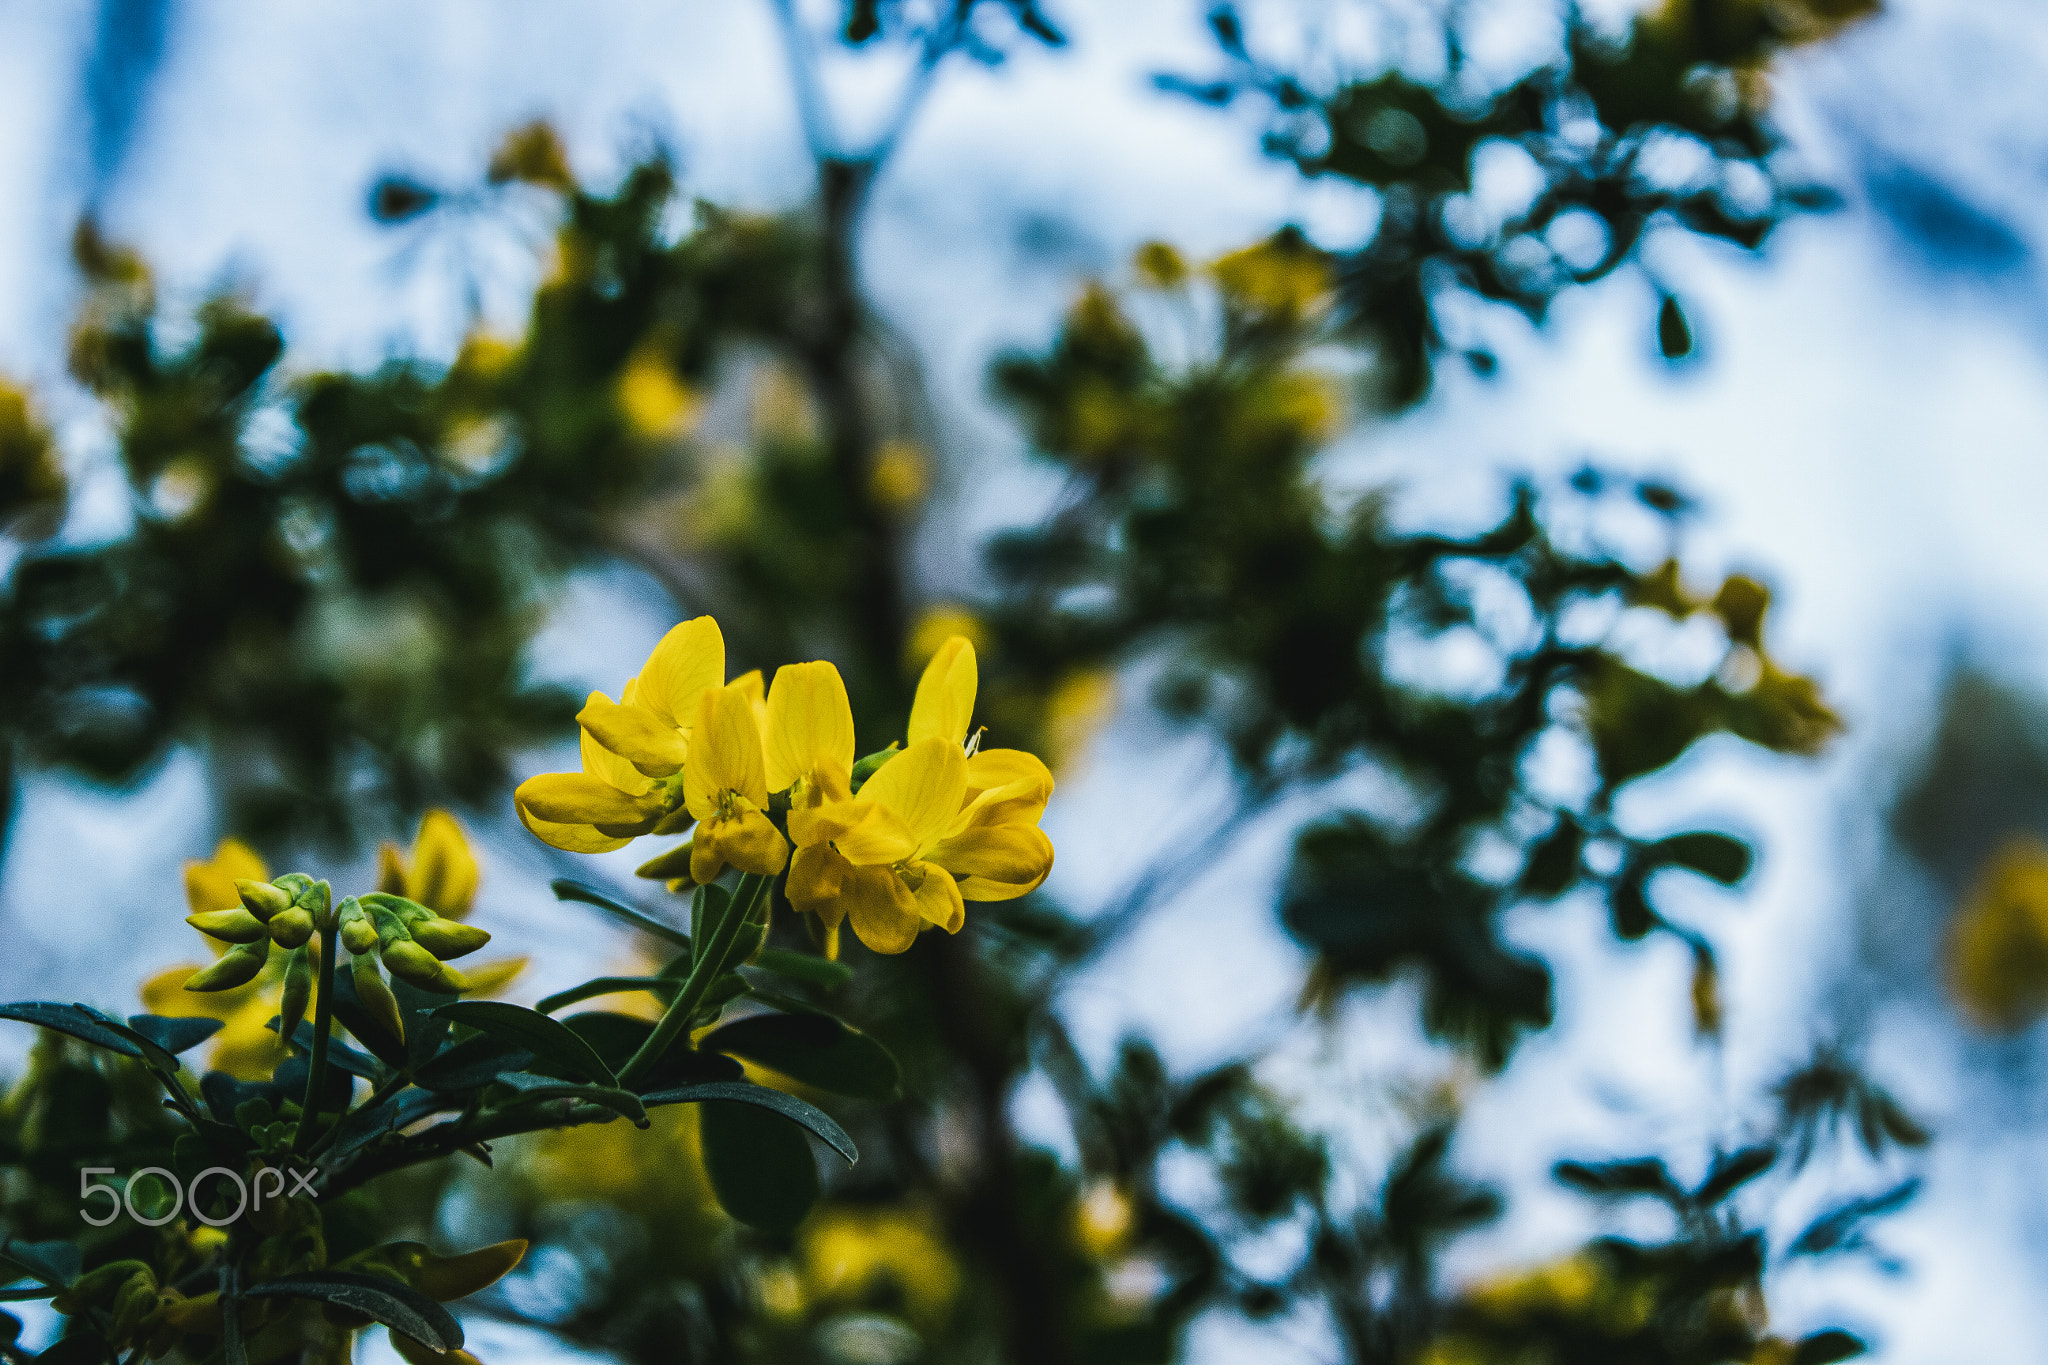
x,y
447,940
264,899
291,928
376,995
358,934
133,1302
410,961
235,925
673,865
237,967
98,1287
298,993
390,928
317,900
872,763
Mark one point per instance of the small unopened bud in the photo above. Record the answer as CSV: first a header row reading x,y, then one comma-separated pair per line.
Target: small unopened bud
x,y
673,865
291,928
237,967
263,899
298,993
448,940
135,1301
358,934
411,962
234,925
317,900
376,996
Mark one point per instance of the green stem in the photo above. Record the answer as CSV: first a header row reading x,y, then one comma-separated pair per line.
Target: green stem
x,y
323,1028
706,965
395,1082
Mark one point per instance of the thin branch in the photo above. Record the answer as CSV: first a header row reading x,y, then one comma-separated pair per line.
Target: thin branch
x,y
811,107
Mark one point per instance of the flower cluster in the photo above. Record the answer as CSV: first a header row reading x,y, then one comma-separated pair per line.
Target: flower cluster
x,y
892,842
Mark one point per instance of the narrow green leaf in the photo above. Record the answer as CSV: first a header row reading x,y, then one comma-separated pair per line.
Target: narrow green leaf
x,y
745,1092
471,1063
532,1087
174,1035
339,1054
589,895
1824,1348
816,1049
398,1306
534,1031
83,1024
54,1263
663,988
1722,857
23,1293
812,971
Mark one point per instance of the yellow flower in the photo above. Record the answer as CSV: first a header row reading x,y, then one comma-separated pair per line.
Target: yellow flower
x,y
1998,941
725,787
632,749
933,827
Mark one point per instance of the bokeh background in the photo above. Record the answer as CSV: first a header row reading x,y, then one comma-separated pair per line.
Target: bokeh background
x,y
1856,412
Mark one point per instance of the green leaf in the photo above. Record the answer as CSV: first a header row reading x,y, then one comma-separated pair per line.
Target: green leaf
x,y
1722,857
1674,334
815,1049
424,1030
339,1054
54,1263
471,1063
398,1306
718,1093
1731,1172
532,1087
79,1022
663,988
761,1167
545,1038
1647,1175
174,1035
1824,1348
616,1037
1629,906
577,891
22,1293
812,971
363,1026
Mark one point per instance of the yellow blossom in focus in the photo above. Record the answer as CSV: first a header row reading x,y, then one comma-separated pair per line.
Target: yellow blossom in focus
x,y
725,786
932,828
654,401
899,478
1998,943
849,1254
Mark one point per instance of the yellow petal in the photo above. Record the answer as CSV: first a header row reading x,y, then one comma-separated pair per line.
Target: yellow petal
x,y
570,838
601,762
634,733
165,994
486,978
817,875
578,798
882,909
866,833
750,842
689,659
923,785
809,723
996,862
444,871
945,694
245,1047
211,885
755,689
725,753
390,869
938,899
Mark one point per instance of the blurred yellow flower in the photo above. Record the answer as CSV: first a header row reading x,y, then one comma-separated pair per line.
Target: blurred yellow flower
x,y
1282,278
899,478
850,1254
1998,943
442,873
655,403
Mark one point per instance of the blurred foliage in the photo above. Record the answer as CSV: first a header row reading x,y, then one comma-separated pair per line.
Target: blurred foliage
x,y
331,581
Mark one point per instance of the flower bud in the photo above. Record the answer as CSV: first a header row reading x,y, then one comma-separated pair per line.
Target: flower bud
x,y
291,928
237,967
298,993
411,962
263,899
448,940
234,925
99,1287
673,865
134,1301
317,900
358,934
376,995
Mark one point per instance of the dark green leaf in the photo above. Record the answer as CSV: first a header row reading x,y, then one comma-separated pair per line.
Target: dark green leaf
x,y
54,1263
1644,1176
471,1063
577,891
1629,906
424,1030
812,971
1674,334
662,988
174,1035
76,1348
339,1054
1554,862
815,1049
1722,857
532,1087
398,1306
23,1293
81,1023
1824,1348
1731,1172
616,1037
363,1025
545,1038
744,1092
760,1166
